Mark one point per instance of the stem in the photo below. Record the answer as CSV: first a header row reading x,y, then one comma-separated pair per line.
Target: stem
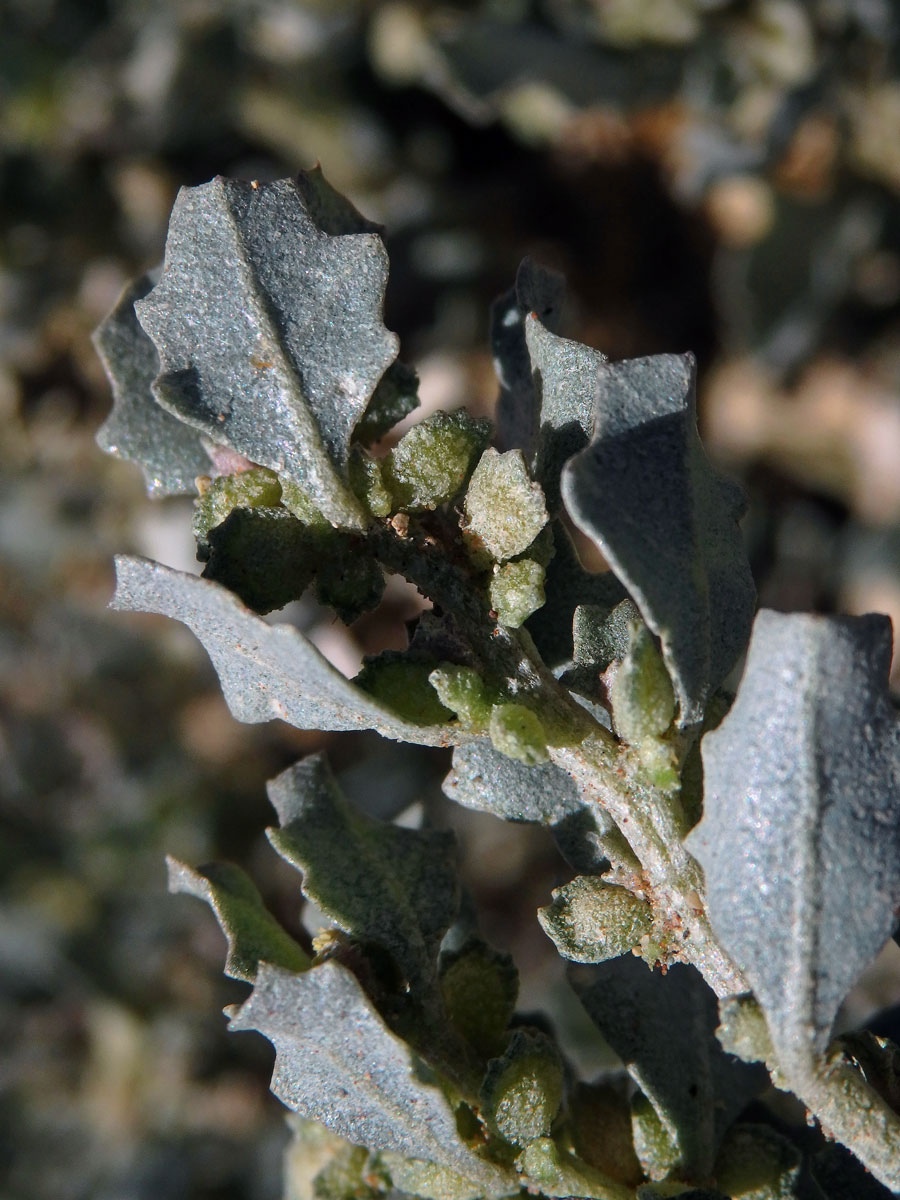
x,y
649,821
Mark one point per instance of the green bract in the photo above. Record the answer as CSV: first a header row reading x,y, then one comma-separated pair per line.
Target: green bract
x,y
718,955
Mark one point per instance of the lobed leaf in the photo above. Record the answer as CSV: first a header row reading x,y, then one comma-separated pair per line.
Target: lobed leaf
x,y
265,670
253,934
337,1062
646,495
269,327
169,453
800,839
378,882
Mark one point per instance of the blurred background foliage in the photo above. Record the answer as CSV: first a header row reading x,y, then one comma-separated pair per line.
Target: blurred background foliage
x,y
714,175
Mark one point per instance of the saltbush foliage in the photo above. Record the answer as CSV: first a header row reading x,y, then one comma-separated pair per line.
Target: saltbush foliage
x,y
736,857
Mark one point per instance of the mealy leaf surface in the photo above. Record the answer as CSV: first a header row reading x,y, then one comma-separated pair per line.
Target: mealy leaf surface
x,y
646,495
800,838
265,670
269,328
169,453
378,882
338,1063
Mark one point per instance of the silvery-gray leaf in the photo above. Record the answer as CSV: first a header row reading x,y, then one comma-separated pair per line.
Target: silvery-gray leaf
x,y
337,1062
484,779
599,637
663,1029
537,290
378,882
800,838
253,934
566,586
646,495
265,670
270,331
566,377
169,453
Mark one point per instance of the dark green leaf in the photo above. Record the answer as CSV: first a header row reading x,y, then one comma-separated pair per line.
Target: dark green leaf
x,y
382,884
254,936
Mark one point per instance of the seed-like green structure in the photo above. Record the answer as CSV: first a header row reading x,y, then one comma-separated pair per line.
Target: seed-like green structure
x,y
431,464
518,733
517,591
257,488
505,509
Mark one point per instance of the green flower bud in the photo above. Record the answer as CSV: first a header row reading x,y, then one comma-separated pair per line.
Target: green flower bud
x,y
522,1090
505,509
402,684
517,591
518,733
431,464
257,488
464,691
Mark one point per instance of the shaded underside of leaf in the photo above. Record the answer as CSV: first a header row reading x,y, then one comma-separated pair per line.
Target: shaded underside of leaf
x,y
565,382
663,1029
253,934
338,1063
800,840
378,882
269,329
536,290
169,453
646,495
484,779
265,670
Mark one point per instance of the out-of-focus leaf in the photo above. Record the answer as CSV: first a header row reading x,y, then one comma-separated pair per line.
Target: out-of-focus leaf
x,y
757,1162
285,344
253,934
800,839
536,290
265,670
338,1063
264,555
169,453
479,987
565,381
378,882
645,494
663,1029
